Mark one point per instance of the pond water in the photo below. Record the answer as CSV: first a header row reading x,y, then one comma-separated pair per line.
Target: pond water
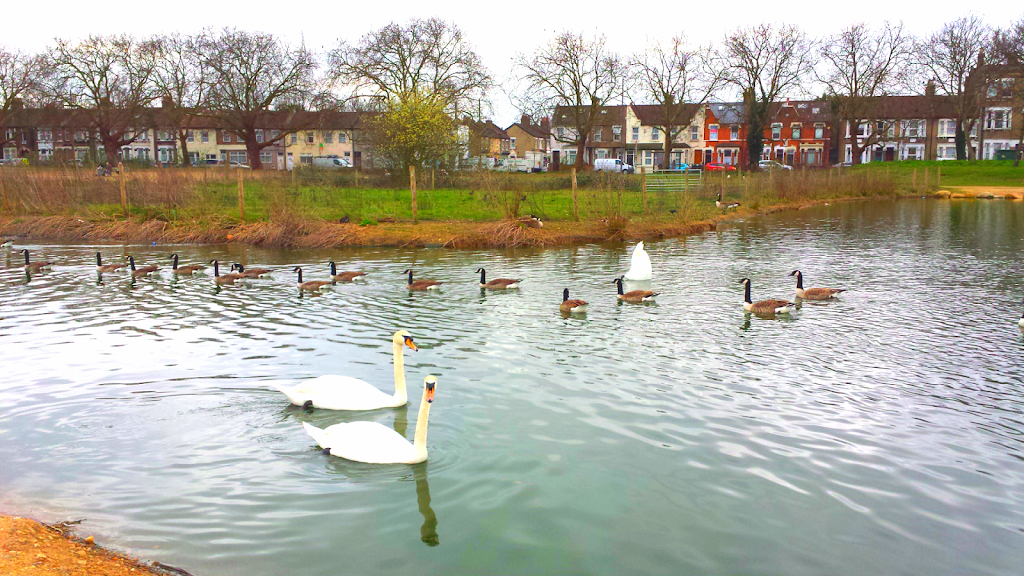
x,y
878,434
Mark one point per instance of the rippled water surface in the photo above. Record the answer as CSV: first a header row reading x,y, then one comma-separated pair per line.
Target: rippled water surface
x,y
879,434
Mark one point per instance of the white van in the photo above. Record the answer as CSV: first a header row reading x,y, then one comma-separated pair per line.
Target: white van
x,y
612,165
331,162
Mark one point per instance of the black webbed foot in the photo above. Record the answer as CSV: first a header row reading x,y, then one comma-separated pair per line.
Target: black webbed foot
x,y
307,405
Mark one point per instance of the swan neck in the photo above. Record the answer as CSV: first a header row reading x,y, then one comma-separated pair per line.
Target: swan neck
x,y
401,394
420,442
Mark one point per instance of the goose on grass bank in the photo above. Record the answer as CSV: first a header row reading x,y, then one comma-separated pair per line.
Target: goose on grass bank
x,y
348,276
334,392
764,306
725,205
311,285
101,267
375,443
184,270
572,306
813,293
634,296
640,264
143,271
223,279
420,285
497,283
34,266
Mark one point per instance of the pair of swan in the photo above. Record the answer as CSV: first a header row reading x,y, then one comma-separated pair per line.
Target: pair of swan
x,y
365,441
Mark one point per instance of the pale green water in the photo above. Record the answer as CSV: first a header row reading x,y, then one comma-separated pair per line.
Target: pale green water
x,y
880,434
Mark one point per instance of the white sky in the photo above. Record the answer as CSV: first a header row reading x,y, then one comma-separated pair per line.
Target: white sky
x,y
497,30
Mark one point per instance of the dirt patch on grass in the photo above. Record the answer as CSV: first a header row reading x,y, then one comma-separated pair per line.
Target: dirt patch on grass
x,y
30,548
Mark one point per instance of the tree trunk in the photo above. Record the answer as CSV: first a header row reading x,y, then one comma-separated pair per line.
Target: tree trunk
x,y
755,145
961,141
581,154
183,141
666,161
111,148
252,149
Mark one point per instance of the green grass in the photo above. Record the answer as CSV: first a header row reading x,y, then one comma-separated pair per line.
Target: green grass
x,y
953,172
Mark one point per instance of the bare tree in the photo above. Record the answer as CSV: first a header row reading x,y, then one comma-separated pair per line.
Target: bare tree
x,y
859,65
19,78
252,75
423,59
678,80
107,80
181,84
1008,51
763,63
949,55
573,73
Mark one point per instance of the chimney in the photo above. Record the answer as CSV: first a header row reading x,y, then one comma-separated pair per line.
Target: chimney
x,y
929,89
525,120
545,125
167,102
17,104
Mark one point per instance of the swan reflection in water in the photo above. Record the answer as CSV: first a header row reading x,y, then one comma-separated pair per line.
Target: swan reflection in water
x,y
428,531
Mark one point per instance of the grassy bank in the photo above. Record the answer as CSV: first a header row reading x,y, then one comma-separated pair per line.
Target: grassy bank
x,y
466,209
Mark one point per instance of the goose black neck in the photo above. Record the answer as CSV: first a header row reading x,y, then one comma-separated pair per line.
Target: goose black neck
x,y
240,268
410,276
216,269
26,257
334,269
800,281
99,262
483,276
565,294
131,260
300,275
746,292
175,258
618,282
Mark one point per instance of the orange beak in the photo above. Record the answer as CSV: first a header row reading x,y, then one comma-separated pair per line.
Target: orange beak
x,y
410,343
430,394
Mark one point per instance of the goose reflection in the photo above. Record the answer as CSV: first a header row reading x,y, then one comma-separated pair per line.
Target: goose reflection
x,y
428,531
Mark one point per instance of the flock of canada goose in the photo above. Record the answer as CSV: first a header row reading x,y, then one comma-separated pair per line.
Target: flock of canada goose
x,y
372,442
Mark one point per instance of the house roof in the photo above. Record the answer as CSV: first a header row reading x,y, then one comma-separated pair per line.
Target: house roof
x,y
606,115
531,129
489,130
727,112
654,114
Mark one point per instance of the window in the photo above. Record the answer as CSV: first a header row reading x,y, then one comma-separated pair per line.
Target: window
x,y
309,138
165,155
712,131
997,119
295,138
636,133
776,131
190,137
648,157
163,135
274,134
819,130
655,134
734,132
238,156
947,128
305,158
913,153
227,136
913,129
266,158
513,141
204,136
863,130
795,130
11,133
694,133
342,137
946,153
597,135
259,136
617,133
45,136
193,158
561,132
211,158
144,136
328,137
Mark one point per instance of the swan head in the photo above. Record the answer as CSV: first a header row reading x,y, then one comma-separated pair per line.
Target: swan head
x,y
402,337
428,385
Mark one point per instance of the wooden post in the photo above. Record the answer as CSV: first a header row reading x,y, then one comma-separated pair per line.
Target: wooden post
x,y
643,185
938,177
412,188
575,205
241,197
357,178
431,178
124,193
925,177
914,181
3,190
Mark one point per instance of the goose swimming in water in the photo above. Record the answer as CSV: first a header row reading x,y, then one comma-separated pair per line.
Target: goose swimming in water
x,y
34,266
141,272
497,283
634,296
420,285
764,306
572,306
101,267
345,276
183,270
813,293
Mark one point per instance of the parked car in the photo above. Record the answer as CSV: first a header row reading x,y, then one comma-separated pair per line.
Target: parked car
x,y
612,165
843,165
333,162
680,168
772,165
719,167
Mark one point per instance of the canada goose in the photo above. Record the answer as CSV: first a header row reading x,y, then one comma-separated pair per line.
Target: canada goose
x,y
813,293
421,284
344,276
34,266
336,392
764,306
572,306
7,245
723,205
640,264
140,272
497,283
375,443
101,267
225,279
311,285
251,272
634,296
183,270
531,221
1021,321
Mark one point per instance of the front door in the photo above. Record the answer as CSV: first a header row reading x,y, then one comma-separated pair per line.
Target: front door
x,y
555,160
357,159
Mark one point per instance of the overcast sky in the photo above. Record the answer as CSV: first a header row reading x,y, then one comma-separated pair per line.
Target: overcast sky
x,y
496,29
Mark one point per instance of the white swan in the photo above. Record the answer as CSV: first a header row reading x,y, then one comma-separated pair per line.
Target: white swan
x,y
333,392
375,443
640,266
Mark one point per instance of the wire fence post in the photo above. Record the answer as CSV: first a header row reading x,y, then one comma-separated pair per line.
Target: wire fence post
x,y
412,189
124,192
575,204
241,197
643,185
